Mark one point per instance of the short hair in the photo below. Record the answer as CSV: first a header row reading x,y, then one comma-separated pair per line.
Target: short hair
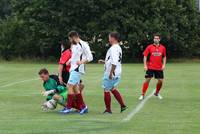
x,y
115,35
157,34
73,34
43,71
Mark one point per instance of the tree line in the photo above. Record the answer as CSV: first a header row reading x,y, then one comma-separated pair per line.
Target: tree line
x,y
35,28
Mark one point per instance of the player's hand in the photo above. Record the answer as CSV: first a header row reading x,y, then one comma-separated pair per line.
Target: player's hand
x,y
101,61
44,106
110,76
67,63
79,62
145,68
163,67
48,92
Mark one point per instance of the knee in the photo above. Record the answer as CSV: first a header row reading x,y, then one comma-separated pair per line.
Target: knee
x,y
81,87
160,81
70,89
69,86
56,97
106,90
148,80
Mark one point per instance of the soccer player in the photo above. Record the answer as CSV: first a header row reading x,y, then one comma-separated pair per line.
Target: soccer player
x,y
81,54
64,66
53,90
112,73
155,66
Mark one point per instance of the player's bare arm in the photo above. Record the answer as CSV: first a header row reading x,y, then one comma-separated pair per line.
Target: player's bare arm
x,y
82,62
112,72
164,62
145,63
60,68
100,61
89,56
68,62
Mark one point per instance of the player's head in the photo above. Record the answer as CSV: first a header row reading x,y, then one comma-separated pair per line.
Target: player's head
x,y
156,39
44,74
114,37
64,46
73,37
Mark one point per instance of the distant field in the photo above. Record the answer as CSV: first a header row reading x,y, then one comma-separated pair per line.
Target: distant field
x,y
177,113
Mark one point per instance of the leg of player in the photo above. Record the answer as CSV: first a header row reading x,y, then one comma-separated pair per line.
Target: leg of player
x,y
118,97
81,87
144,88
76,104
59,99
107,101
158,87
80,101
70,98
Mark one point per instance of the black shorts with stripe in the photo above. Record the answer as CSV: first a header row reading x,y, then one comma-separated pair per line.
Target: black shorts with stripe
x,y
157,74
65,76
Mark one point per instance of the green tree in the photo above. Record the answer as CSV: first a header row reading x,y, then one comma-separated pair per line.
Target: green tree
x,y
35,27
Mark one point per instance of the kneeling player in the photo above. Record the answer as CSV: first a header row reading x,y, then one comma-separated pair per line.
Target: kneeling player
x,y
54,92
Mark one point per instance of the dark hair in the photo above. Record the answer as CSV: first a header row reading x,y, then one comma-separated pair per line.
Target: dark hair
x,y
115,35
73,34
157,34
66,44
43,71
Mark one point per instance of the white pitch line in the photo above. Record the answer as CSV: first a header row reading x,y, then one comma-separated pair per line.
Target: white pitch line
x,y
139,106
18,82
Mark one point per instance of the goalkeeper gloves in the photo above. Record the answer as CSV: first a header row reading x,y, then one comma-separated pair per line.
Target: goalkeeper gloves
x,y
44,106
46,93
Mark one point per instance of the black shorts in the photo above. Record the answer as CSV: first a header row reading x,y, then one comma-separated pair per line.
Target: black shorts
x,y
157,74
65,76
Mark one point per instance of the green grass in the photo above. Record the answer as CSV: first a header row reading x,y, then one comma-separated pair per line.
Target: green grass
x,y
177,113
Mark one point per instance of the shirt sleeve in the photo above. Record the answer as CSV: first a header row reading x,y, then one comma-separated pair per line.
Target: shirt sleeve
x,y
146,51
88,52
114,56
65,57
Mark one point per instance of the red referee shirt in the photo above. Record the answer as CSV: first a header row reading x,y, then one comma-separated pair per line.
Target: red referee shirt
x,y
65,56
156,55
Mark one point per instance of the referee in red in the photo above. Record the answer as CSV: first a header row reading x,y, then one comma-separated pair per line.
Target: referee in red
x,y
155,66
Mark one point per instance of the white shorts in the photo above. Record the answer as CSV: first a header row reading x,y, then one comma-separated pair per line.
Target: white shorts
x,y
74,78
108,84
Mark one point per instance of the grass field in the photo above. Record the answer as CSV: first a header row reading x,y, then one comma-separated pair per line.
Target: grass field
x,y
177,113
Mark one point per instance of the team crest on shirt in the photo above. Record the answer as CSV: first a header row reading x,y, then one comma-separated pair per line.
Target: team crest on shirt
x,y
156,53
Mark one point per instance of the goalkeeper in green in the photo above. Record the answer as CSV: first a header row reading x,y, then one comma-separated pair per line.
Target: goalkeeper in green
x,y
54,91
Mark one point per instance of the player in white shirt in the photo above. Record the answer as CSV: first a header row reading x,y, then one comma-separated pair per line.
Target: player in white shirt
x,y
81,54
112,73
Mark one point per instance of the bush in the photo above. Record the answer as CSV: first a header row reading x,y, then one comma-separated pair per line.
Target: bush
x,y
35,28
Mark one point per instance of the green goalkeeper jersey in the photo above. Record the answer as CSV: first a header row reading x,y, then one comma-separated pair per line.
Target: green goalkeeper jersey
x,y
53,84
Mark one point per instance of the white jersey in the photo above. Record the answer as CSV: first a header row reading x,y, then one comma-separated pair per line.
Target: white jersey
x,y
114,57
80,51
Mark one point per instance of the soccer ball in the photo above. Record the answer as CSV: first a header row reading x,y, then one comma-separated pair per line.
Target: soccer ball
x,y
51,104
